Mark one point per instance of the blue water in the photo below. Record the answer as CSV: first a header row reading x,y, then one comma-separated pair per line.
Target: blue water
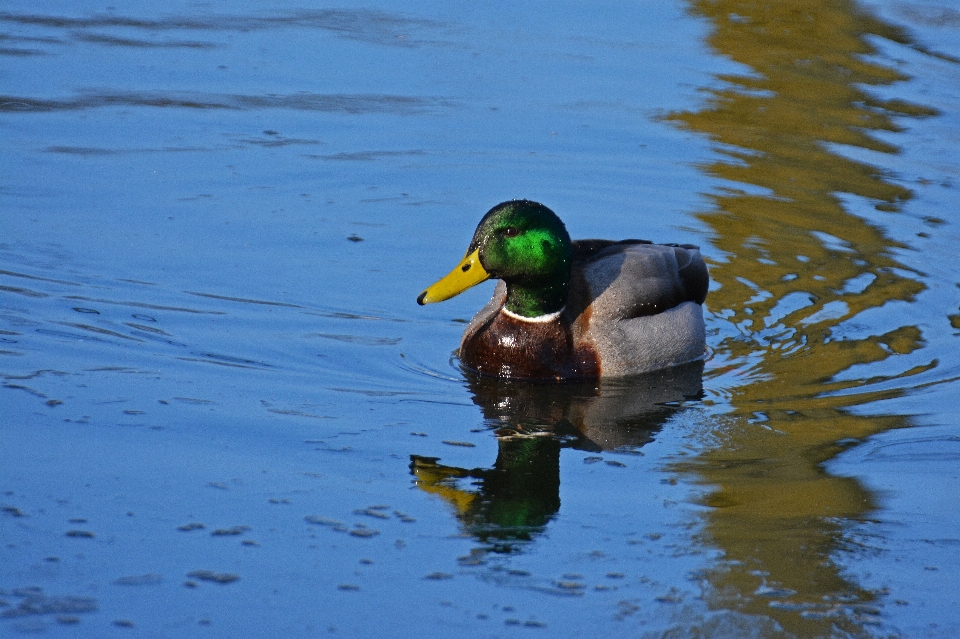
x,y
223,413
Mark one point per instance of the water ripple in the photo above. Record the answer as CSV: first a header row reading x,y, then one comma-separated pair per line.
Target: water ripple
x,y
353,104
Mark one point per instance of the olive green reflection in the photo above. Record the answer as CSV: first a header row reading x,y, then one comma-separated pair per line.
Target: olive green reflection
x,y
513,501
798,274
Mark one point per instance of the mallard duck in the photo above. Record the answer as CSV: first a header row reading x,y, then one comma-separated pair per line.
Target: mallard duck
x,y
575,309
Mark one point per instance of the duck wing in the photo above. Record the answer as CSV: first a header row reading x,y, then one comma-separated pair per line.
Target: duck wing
x,y
635,278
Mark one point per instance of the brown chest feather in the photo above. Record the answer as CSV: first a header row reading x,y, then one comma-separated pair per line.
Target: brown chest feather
x,y
508,347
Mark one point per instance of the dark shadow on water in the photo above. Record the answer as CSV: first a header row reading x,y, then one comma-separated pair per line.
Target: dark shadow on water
x,y
512,502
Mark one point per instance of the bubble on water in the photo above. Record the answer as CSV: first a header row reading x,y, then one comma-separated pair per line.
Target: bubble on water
x,y
439,576
370,512
227,532
216,577
450,442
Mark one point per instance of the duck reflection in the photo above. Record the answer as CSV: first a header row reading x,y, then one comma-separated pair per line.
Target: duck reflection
x,y
514,500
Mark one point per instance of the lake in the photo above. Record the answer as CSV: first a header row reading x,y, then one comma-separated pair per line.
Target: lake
x,y
223,414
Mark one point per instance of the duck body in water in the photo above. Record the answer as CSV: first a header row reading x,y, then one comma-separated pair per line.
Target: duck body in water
x,y
574,310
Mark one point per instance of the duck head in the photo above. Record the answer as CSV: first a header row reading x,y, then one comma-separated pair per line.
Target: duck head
x,y
522,243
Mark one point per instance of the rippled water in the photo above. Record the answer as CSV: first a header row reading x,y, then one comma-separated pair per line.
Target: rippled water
x,y
223,414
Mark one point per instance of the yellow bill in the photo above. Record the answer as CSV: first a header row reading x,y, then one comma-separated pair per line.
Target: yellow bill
x,y
467,273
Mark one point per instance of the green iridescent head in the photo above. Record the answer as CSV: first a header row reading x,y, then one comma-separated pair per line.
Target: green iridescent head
x,y
522,243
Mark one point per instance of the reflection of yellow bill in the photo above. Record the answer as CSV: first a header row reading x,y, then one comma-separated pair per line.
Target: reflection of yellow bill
x,y
441,480
467,273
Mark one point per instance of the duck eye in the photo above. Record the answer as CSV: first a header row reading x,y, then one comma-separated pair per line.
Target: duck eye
x,y
511,231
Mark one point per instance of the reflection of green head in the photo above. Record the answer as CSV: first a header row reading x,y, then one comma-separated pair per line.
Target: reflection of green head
x,y
519,495
526,245
509,503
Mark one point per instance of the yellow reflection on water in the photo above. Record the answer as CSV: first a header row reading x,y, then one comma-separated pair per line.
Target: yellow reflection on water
x,y
798,274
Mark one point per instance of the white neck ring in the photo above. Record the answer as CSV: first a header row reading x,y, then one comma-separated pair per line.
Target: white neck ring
x,y
539,319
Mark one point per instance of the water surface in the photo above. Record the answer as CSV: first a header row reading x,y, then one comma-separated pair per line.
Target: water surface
x,y
222,409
